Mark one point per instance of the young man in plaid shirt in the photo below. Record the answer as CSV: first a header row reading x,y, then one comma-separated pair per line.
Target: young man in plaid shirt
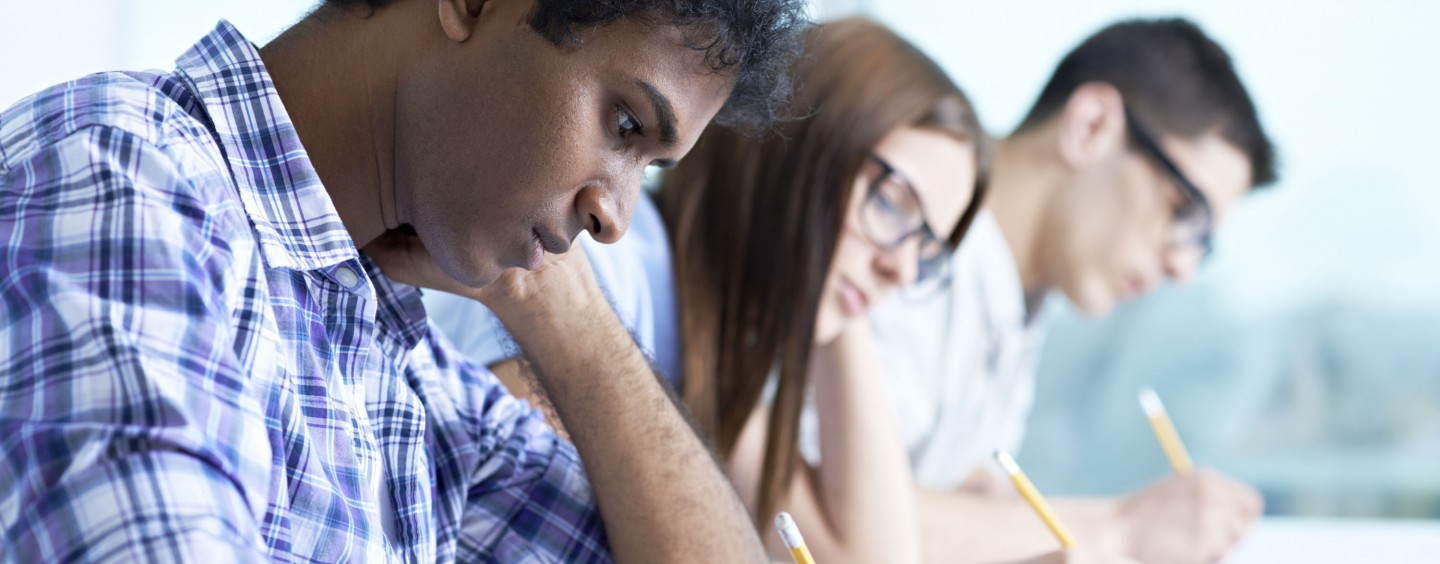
x,y
212,347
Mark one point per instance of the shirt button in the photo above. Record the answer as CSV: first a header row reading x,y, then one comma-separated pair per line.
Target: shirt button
x,y
346,277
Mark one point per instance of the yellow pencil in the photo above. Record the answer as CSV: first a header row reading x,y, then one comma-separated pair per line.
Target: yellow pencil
x,y
791,535
1165,431
1028,491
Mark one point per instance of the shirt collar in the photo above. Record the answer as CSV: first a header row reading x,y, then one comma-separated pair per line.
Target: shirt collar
x,y
294,219
400,310
1009,304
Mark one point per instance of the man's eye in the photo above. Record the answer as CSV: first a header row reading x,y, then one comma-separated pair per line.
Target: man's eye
x,y
625,124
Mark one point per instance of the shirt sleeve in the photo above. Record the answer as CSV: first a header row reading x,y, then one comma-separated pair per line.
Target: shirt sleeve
x,y
526,497
127,431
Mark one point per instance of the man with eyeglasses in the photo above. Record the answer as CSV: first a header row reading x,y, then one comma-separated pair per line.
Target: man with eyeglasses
x,y
1138,147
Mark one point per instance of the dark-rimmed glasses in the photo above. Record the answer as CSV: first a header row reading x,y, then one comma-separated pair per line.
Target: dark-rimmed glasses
x,y
893,213
1194,219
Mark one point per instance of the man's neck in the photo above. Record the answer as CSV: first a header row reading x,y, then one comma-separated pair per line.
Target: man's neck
x,y
338,86
1022,182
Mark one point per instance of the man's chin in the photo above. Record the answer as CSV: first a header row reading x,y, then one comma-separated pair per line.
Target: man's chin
x,y
484,276
1094,304
473,276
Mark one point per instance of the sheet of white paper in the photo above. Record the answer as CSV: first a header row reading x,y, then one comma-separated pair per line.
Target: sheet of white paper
x,y
1335,541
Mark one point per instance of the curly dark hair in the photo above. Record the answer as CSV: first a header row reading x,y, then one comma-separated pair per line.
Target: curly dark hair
x,y
756,39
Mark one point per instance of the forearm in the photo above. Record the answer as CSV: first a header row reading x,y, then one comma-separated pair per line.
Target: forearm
x,y
964,526
519,378
864,482
662,496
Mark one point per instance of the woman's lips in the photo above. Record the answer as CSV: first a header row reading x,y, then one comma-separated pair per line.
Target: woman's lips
x,y
851,298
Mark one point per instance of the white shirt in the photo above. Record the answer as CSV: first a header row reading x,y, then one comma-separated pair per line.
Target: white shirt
x,y
959,365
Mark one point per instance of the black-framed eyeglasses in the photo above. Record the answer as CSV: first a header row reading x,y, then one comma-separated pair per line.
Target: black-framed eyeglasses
x,y
1194,219
893,213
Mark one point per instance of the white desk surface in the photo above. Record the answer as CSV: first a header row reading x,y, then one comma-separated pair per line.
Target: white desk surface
x,y
1277,540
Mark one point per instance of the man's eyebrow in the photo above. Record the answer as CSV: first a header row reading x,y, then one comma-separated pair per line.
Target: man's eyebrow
x,y
664,113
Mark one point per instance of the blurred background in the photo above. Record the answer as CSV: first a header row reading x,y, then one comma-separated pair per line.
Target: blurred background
x,y
1304,359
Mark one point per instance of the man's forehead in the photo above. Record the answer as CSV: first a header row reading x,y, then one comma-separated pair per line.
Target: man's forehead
x,y
668,75
650,50
637,42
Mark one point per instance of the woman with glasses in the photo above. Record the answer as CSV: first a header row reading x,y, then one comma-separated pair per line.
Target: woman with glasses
x,y
782,242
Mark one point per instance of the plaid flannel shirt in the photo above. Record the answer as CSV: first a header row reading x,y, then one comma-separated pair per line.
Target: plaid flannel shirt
x,y
196,364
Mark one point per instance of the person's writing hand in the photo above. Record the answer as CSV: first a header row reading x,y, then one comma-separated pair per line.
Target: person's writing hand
x,y
1196,518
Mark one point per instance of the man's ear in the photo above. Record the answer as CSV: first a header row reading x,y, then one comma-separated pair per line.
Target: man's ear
x,y
1092,124
458,17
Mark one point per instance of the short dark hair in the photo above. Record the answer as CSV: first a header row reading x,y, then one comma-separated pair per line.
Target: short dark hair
x,y
1173,77
757,39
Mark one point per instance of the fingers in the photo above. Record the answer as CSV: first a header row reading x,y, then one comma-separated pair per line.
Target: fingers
x,y
1195,518
561,295
1228,508
1236,497
557,272
1253,502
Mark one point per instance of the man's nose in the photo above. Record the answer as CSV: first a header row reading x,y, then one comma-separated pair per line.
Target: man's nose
x,y
1182,262
605,208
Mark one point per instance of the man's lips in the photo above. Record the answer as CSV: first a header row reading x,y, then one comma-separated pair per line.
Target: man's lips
x,y
1135,286
535,255
550,242
542,242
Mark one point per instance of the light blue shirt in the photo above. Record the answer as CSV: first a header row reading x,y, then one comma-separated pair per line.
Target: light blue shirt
x,y
636,275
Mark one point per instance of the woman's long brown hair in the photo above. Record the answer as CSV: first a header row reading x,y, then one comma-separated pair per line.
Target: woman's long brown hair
x,y
754,220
